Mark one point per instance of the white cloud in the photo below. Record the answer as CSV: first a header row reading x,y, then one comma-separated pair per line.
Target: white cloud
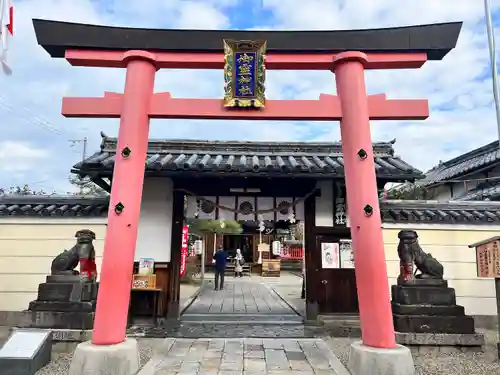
x,y
20,157
462,115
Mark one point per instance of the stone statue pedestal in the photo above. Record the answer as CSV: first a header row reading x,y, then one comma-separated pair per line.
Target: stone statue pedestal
x,y
64,302
428,306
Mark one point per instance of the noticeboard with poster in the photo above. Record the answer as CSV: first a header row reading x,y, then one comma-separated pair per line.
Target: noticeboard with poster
x,y
335,255
488,257
330,255
346,254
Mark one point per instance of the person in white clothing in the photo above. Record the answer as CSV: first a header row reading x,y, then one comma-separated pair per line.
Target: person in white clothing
x,y
238,264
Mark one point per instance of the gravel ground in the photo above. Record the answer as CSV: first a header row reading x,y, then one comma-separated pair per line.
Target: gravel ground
x,y
455,364
431,364
60,363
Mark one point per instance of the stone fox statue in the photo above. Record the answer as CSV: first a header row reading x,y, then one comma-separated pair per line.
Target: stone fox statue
x,y
83,252
410,253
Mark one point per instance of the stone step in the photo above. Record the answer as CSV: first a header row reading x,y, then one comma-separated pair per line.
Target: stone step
x,y
433,324
241,319
341,323
427,310
190,330
244,322
437,296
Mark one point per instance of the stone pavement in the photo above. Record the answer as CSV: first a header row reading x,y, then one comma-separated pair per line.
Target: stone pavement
x,y
244,357
239,298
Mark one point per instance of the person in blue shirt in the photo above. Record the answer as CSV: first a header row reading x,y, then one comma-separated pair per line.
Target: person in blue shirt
x,y
220,267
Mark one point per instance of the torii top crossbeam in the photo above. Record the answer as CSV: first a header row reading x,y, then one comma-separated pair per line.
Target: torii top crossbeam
x,y
102,46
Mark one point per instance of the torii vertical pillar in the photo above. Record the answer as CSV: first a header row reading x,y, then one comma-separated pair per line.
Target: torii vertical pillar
x,y
378,352
109,343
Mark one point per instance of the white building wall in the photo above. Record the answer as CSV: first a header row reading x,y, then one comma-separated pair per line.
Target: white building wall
x,y
155,223
324,204
29,244
450,245
447,243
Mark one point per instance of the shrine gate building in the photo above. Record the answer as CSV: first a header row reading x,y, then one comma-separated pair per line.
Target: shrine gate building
x,y
259,175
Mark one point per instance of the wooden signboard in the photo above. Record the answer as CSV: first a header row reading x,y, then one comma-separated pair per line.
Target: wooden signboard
x,y
488,257
271,267
488,265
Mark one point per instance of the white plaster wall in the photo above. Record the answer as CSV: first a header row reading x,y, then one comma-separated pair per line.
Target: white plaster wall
x,y
28,244
444,194
324,204
27,247
155,223
449,244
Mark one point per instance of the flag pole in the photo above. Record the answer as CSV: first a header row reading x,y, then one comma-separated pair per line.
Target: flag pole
x,y
493,61
6,31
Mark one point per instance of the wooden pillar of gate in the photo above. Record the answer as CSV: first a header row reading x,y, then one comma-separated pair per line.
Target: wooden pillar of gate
x,y
173,294
311,266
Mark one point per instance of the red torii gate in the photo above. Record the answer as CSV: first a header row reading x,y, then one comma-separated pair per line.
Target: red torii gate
x,y
352,107
98,46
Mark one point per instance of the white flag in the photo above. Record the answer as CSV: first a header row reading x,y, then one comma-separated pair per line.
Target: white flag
x,y
6,32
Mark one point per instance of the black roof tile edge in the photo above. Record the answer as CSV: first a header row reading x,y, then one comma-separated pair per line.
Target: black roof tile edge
x,y
470,154
109,144
436,40
439,169
491,191
390,167
393,211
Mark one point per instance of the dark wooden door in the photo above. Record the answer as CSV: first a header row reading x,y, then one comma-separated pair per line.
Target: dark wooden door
x,y
337,292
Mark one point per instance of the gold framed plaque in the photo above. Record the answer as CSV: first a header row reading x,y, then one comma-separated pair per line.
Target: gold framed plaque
x,y
244,73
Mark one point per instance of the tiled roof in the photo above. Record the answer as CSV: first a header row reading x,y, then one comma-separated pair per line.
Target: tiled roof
x,y
452,212
52,205
482,157
393,211
482,192
174,157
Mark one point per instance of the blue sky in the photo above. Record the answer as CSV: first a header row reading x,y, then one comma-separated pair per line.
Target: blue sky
x,y
34,137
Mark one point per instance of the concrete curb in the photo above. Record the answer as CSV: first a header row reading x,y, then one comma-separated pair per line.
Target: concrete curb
x,y
294,309
334,362
158,356
191,299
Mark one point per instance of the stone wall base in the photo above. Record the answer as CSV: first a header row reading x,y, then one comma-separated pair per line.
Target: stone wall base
x,y
445,343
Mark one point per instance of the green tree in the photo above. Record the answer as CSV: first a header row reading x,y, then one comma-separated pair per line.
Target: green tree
x,y
201,226
21,190
86,187
409,192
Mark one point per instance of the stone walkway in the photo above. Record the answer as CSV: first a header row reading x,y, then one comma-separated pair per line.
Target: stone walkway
x,y
240,302
244,357
239,298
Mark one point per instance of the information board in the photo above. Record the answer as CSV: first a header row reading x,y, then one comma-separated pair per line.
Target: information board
x,y
488,259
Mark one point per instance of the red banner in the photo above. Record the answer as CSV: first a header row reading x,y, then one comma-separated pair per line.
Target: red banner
x,y
184,249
